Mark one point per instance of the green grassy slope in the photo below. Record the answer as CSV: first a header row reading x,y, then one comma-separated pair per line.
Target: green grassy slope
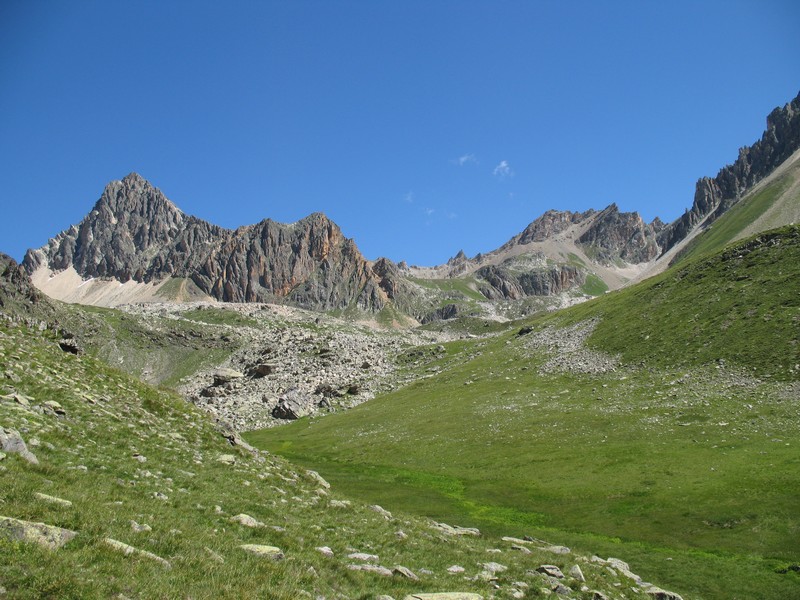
x,y
741,306
156,349
685,463
123,452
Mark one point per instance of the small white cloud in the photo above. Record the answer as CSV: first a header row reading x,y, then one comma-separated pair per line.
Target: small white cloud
x,y
452,215
409,197
465,159
503,170
430,211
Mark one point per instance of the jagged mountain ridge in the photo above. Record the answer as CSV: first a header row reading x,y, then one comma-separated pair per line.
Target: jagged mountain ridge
x,y
135,233
714,196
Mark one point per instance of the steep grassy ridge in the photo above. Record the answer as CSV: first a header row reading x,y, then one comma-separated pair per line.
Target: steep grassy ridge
x,y
683,457
731,225
741,305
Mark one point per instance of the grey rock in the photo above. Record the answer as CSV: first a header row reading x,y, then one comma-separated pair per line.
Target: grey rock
x,y
247,520
363,557
53,500
292,405
130,551
70,345
11,441
715,196
493,567
143,528
261,370
623,568
455,529
616,235
319,479
560,589
223,376
369,568
500,283
556,549
658,594
268,552
455,569
445,313
135,232
54,407
551,571
381,511
405,572
48,536
445,596
576,573
227,459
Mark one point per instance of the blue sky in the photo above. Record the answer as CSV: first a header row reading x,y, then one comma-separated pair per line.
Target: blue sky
x,y
420,127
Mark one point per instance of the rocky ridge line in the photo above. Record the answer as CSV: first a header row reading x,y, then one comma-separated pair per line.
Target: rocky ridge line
x,y
135,232
714,196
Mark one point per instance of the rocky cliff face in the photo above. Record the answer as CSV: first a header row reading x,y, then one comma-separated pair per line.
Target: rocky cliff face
x,y
550,224
499,283
134,232
714,196
616,235
15,285
607,235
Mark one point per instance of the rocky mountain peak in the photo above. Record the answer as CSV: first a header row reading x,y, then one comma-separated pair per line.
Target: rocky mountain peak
x,y
458,259
616,235
135,232
135,196
551,223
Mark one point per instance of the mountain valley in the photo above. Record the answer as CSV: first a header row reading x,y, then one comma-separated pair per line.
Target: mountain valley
x,y
601,408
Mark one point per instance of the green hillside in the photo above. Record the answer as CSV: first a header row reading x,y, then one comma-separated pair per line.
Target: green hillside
x,y
740,307
161,505
671,436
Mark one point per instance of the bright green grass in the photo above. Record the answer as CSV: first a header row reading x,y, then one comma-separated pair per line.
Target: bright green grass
x,y
640,468
89,457
735,220
457,285
594,286
741,306
679,460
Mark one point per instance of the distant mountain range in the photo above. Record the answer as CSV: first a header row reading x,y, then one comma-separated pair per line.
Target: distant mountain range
x,y
136,245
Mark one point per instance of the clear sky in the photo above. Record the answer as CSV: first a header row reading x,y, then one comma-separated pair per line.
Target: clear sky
x,y
421,127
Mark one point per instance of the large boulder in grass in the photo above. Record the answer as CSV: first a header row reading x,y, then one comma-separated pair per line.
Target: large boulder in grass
x,y
292,405
48,536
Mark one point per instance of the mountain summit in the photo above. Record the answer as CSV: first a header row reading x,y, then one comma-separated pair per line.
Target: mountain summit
x,y
136,245
135,233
